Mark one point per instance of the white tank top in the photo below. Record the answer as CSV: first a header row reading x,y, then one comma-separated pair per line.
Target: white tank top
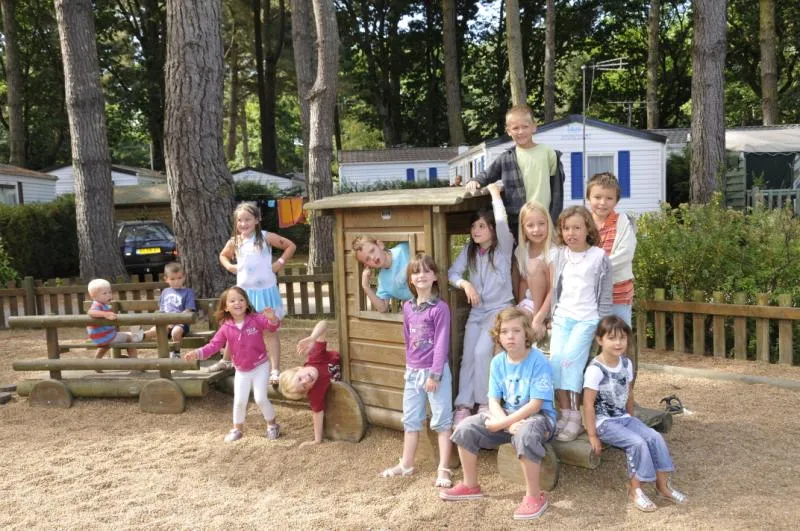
x,y
254,266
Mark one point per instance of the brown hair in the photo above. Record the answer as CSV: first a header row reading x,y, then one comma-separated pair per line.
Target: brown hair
x,y
252,209
521,110
612,325
286,387
592,238
173,268
509,314
422,262
222,312
604,180
487,215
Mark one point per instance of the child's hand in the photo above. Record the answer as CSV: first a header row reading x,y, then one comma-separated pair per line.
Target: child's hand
x,y
431,385
111,316
472,186
190,356
514,428
472,294
269,313
494,190
366,276
276,266
305,344
493,424
597,446
274,377
539,329
306,444
232,268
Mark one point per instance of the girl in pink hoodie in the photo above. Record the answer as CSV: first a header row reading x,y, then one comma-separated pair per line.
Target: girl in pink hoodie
x,y
241,329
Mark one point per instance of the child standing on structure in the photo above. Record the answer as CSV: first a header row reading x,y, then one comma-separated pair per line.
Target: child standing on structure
x,y
251,249
617,239
241,333
391,266
175,299
105,336
581,297
426,330
520,412
314,378
487,257
608,406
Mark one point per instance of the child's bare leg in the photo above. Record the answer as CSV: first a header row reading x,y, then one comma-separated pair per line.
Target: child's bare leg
x,y
132,352
469,466
531,472
101,352
177,336
445,450
562,397
410,440
661,483
635,484
537,282
150,334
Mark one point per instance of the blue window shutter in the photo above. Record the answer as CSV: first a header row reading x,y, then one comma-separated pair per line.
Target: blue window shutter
x,y
624,160
576,173
410,175
432,175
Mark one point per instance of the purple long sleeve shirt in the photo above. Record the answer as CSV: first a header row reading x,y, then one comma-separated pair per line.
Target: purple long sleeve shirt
x,y
247,344
426,329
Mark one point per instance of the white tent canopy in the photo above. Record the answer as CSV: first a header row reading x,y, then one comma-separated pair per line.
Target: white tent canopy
x,y
763,140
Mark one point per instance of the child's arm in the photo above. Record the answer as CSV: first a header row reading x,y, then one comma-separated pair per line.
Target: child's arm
x,y
505,240
272,322
190,305
441,347
102,314
379,304
288,247
590,419
455,277
606,288
211,348
624,245
318,334
489,175
629,403
499,422
227,255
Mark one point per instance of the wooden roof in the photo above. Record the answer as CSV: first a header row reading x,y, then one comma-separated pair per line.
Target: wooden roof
x,y
16,171
404,197
405,154
141,195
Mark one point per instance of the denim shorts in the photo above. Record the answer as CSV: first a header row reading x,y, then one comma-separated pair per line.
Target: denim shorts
x,y
415,397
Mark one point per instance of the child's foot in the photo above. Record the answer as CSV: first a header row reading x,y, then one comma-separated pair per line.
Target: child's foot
x,y
572,429
642,502
461,414
461,492
274,377
397,470
673,495
221,365
531,507
233,435
444,478
175,354
136,334
273,431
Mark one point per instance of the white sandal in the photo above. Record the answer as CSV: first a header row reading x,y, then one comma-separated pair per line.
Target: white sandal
x,y
441,480
397,470
642,502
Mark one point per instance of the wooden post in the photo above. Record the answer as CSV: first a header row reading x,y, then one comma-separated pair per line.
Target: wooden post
x,y
785,333
163,348
51,334
660,320
762,331
740,329
30,295
718,326
698,325
678,327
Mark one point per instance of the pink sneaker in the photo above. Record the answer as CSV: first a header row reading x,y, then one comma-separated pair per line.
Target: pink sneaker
x,y
461,492
531,507
461,414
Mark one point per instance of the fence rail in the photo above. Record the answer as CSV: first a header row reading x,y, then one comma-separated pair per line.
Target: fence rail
x,y
775,198
303,295
738,330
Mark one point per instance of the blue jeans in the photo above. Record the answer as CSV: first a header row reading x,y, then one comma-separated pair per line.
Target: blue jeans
x,y
623,311
570,342
414,398
645,450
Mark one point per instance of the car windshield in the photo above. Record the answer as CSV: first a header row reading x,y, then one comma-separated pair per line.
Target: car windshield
x,y
139,234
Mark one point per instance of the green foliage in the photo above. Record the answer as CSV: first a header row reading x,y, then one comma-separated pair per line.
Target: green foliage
x,y
711,248
260,193
390,185
7,272
41,239
678,177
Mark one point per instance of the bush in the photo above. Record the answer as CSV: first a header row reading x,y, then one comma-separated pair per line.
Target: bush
x,y
7,272
390,185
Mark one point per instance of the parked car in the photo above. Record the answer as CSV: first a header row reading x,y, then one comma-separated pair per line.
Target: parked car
x,y
146,246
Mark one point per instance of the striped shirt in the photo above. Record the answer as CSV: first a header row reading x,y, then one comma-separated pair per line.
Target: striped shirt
x,y
623,291
101,335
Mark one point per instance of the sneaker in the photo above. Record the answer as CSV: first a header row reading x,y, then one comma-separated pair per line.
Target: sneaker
x,y
461,492
562,422
175,355
675,496
273,431
531,507
137,334
461,414
221,365
233,435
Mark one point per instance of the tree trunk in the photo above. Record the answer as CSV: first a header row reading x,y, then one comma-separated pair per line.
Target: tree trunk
x,y
516,68
769,65
16,126
245,135
500,111
451,74
200,185
653,50
322,100
267,69
550,62
94,201
708,104
233,119
305,63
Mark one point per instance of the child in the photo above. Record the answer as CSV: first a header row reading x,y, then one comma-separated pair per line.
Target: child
x,y
520,412
313,378
426,330
487,256
528,170
581,297
391,266
104,336
608,406
251,248
240,331
175,299
617,239
534,257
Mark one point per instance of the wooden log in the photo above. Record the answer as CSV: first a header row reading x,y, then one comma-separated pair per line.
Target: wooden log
x,y
162,396
5,397
740,329
577,453
51,393
67,347
386,418
115,388
121,364
678,328
785,333
51,336
762,331
698,326
718,327
660,319
658,419
8,388
66,321
509,468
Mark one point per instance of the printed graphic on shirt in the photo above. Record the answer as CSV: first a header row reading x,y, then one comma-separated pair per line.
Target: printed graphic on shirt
x,y
421,334
252,330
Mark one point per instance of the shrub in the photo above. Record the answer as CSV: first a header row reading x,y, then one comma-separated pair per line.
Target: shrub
x,y
7,272
390,185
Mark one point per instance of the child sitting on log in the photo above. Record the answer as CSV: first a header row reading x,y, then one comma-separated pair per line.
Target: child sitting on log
x,y
608,407
313,379
175,299
104,336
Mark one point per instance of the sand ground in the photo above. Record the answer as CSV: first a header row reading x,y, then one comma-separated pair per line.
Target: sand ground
x,y
103,464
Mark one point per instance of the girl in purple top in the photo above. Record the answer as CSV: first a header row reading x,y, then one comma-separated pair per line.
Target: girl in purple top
x,y
241,332
426,330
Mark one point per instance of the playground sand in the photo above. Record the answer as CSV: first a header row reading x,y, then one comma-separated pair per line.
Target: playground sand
x,y
104,464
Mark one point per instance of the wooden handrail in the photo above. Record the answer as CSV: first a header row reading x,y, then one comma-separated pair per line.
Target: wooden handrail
x,y
728,310
124,319
132,364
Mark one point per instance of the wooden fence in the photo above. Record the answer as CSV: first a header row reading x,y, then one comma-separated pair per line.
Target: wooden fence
x,y
303,295
742,331
777,198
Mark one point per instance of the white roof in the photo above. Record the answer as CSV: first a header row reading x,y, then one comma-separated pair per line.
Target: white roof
x,y
762,140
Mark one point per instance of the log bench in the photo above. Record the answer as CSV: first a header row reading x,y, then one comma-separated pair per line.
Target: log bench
x,y
159,394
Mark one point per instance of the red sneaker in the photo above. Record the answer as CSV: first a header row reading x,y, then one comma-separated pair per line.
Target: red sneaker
x,y
461,492
531,507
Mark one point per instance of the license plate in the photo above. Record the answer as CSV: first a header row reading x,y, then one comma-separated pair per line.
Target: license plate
x,y
149,250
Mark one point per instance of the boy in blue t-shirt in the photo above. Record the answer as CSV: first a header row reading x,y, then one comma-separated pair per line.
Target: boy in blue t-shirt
x,y
521,412
175,299
391,266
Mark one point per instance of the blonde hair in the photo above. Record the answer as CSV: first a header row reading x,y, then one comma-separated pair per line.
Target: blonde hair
x,y
604,180
523,248
286,385
361,240
509,314
252,209
521,110
173,268
97,284
592,238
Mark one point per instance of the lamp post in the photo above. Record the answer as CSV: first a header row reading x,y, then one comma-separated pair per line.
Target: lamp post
x,y
609,64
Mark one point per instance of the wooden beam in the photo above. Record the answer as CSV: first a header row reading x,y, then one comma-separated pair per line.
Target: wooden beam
x,y
728,310
79,321
121,364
